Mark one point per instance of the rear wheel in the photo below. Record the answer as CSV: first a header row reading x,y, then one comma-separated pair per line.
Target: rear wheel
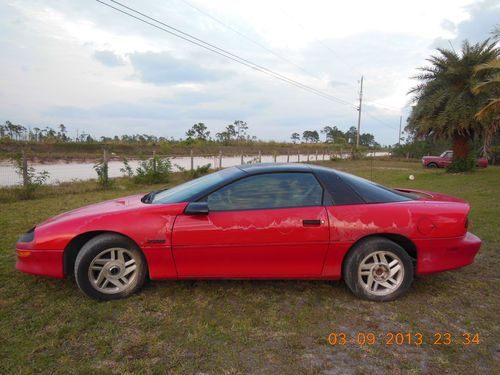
x,y
378,269
432,165
110,266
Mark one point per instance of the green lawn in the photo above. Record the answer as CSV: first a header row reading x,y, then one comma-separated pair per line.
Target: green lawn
x,y
264,327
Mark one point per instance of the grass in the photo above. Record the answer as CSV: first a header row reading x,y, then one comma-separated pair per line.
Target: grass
x,y
233,327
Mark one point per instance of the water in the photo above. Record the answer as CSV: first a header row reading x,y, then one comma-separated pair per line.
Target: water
x,y
74,171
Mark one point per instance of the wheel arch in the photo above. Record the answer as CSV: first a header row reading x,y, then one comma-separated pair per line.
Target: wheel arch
x,y
73,247
399,239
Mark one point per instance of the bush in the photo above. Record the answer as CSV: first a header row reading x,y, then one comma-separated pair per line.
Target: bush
x,y
101,167
359,153
127,169
200,170
462,164
33,179
153,171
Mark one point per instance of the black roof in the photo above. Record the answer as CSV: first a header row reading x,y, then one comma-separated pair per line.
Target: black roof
x,y
277,167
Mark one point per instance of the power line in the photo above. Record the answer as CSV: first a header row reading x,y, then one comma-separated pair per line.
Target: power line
x,y
291,62
319,41
378,104
222,52
379,120
248,38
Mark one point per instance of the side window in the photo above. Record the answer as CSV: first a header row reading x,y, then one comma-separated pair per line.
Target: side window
x,y
277,190
449,155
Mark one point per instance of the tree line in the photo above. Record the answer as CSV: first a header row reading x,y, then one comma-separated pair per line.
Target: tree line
x,y
236,132
336,136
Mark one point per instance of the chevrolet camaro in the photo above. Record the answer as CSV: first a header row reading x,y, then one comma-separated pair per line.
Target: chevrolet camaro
x,y
257,221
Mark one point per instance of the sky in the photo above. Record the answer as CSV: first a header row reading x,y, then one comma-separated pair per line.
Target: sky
x,y
101,72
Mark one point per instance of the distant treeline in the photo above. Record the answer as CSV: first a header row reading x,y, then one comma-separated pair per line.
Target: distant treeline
x,y
56,144
234,134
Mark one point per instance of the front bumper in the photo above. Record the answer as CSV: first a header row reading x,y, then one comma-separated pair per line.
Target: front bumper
x,y
437,255
40,262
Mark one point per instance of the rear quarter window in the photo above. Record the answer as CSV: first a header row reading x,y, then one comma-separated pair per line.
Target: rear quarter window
x,y
371,192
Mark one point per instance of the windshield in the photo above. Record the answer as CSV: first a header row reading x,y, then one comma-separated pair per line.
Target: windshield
x,y
194,187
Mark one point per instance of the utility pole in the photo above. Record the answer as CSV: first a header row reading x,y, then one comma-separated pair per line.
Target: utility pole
x,y
400,121
359,111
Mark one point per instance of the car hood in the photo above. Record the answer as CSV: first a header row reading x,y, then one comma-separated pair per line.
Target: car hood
x,y
424,195
119,204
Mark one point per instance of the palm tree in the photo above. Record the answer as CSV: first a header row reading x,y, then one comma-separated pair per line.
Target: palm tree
x,y
445,105
490,113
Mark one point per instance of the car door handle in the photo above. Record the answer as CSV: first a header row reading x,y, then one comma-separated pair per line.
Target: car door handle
x,y
312,222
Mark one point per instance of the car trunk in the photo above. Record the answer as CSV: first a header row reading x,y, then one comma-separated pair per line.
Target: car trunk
x,y
430,195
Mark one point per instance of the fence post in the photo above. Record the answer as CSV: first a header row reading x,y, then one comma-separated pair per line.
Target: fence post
x,y
105,166
154,160
287,156
298,156
260,156
242,161
274,156
316,155
220,159
192,159
308,155
25,169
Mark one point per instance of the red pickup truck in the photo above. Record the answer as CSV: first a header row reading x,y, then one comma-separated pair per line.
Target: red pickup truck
x,y
445,159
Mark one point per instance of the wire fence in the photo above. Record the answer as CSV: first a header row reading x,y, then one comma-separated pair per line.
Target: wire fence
x,y
67,171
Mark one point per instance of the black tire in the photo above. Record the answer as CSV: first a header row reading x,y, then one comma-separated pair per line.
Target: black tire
x,y
432,165
374,246
96,250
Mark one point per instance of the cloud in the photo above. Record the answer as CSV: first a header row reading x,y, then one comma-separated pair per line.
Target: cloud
x,y
108,58
448,25
161,68
175,84
483,16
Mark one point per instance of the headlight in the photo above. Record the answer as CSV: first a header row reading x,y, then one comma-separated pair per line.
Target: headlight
x,y
28,236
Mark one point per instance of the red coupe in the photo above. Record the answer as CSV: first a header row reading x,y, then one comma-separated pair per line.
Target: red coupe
x,y
289,221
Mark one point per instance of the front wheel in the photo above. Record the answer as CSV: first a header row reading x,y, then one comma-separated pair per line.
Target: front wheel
x,y
110,266
378,269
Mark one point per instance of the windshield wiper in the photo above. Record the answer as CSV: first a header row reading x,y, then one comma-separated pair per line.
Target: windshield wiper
x,y
148,198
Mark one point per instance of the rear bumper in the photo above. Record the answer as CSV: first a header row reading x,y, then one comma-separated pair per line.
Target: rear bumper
x,y
40,262
445,254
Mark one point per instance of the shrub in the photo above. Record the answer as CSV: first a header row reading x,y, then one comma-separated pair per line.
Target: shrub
x,y
127,169
462,164
154,170
101,168
32,179
200,170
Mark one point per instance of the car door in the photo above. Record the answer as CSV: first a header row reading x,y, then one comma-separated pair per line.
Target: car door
x,y
447,159
264,226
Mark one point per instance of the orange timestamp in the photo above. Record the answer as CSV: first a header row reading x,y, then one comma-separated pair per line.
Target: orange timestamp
x,y
403,338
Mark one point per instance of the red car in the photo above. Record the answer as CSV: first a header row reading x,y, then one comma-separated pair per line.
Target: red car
x,y
445,159
289,221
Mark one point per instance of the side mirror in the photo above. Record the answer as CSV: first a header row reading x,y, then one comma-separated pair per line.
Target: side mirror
x,y
196,208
